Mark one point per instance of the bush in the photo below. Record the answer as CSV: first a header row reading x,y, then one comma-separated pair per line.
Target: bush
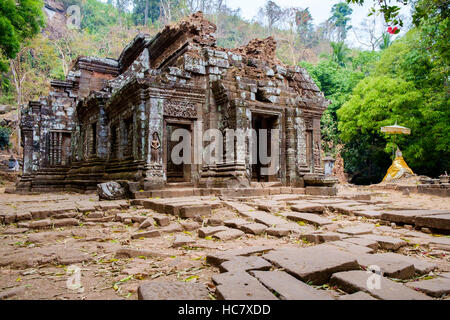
x,y
4,137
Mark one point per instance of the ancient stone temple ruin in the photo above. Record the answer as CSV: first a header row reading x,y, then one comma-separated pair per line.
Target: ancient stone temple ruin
x,y
114,119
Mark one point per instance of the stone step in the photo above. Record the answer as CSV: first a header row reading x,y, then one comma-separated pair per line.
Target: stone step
x,y
409,216
385,242
390,266
357,230
439,221
420,266
308,207
241,263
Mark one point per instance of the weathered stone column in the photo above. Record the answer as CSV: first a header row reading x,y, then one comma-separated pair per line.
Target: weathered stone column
x,y
290,147
102,132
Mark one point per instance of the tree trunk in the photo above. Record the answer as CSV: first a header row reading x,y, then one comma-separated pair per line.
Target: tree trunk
x,y
146,13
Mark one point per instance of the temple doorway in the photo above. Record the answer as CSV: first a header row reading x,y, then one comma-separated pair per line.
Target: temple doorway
x,y
268,122
176,172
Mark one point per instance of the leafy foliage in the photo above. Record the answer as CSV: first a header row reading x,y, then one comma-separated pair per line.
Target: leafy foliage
x,y
4,137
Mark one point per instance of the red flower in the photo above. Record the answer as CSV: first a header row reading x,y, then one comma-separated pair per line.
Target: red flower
x,y
394,30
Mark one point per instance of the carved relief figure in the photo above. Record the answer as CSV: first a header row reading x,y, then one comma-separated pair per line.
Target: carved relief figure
x,y
156,145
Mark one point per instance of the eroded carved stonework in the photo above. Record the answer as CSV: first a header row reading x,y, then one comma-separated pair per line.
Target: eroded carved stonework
x,y
179,109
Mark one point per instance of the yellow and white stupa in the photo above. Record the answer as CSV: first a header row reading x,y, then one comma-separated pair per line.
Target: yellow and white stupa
x,y
398,168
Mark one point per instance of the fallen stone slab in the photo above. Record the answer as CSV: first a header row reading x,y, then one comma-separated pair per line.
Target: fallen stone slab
x,y
209,231
110,190
190,225
441,243
390,266
440,222
48,236
218,257
421,267
235,223
182,240
385,242
147,223
156,290
357,230
357,296
242,263
436,287
161,220
12,292
214,222
253,228
315,264
229,234
370,214
308,218
356,280
309,207
363,242
320,237
351,247
288,287
240,286
72,257
171,228
137,252
278,231
147,234
267,219
192,211
409,216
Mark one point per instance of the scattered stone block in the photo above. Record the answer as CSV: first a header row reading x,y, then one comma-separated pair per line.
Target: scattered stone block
x,y
363,242
308,218
360,295
357,230
156,290
229,234
240,286
440,222
356,280
147,223
171,228
409,216
129,252
235,223
288,287
190,225
242,263
315,264
390,266
162,221
65,222
147,234
308,207
192,211
421,267
253,228
351,247
182,240
278,231
209,231
385,242
40,224
218,257
214,222
437,287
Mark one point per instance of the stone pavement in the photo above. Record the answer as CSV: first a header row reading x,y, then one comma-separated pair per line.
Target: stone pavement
x,y
282,246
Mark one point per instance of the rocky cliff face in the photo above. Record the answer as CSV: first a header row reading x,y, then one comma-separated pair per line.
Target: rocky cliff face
x,y
56,19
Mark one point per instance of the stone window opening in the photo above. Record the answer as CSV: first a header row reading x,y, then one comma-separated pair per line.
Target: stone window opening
x,y
59,148
128,137
93,139
114,147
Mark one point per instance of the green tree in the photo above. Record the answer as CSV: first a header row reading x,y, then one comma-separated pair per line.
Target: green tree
x,y
340,17
340,53
145,11
19,20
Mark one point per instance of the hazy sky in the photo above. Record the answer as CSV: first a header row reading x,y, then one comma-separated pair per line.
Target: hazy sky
x,y
319,9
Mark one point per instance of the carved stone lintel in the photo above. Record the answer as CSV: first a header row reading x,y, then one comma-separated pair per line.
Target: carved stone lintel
x,y
179,109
